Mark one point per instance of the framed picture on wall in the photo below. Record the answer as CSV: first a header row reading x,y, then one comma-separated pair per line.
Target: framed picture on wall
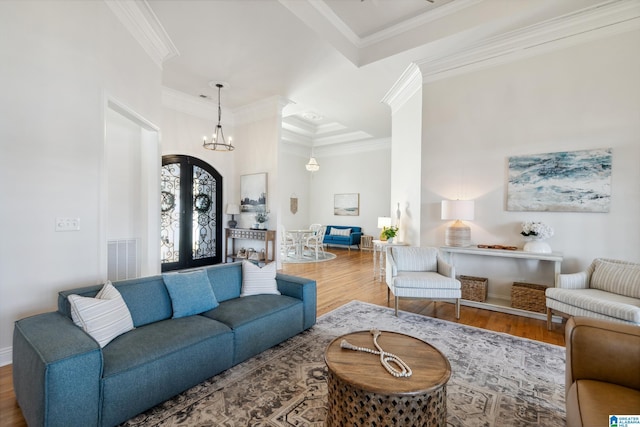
x,y
253,192
347,204
568,181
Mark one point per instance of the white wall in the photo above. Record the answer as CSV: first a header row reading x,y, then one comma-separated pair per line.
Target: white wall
x,y
366,173
294,181
60,59
577,98
406,162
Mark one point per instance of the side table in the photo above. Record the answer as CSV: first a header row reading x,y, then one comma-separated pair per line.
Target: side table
x,y
379,248
362,393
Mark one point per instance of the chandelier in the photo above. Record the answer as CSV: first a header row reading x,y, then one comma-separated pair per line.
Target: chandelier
x,y
313,165
217,142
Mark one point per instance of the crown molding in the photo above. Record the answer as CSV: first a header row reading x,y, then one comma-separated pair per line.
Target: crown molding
x,y
341,138
336,150
599,21
145,27
404,88
298,126
415,22
260,110
335,21
394,30
352,147
293,137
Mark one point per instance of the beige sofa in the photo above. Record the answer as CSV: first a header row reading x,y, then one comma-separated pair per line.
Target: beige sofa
x,y
602,375
609,289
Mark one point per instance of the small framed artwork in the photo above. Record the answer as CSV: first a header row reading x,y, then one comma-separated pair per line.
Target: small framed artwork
x,y
346,204
253,192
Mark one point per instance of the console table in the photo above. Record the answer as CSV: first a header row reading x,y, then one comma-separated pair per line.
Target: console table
x,y
379,253
233,234
495,303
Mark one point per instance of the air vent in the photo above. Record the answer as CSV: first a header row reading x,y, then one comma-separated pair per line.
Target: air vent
x,y
122,259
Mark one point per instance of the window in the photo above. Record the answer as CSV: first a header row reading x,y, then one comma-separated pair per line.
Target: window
x,y
191,213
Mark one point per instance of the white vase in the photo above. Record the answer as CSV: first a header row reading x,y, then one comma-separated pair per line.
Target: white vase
x,y
539,246
390,240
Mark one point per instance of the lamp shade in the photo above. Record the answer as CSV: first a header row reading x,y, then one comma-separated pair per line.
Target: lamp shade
x,y
232,209
384,221
457,209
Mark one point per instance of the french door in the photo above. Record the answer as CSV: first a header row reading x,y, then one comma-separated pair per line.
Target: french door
x,y
191,213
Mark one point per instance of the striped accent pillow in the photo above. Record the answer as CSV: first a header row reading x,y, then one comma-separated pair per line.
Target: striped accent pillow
x,y
256,280
340,232
622,278
104,317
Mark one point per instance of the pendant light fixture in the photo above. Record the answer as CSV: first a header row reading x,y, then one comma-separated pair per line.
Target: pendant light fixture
x,y
217,142
313,165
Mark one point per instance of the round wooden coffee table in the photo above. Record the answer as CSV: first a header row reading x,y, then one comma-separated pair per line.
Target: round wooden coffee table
x,y
362,393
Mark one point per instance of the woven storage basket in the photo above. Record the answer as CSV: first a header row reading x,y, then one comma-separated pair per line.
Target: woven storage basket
x,y
474,288
528,296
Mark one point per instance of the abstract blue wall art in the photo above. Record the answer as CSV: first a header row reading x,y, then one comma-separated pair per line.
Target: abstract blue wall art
x,y
569,181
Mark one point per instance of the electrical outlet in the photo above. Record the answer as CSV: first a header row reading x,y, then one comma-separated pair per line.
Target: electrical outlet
x,y
67,224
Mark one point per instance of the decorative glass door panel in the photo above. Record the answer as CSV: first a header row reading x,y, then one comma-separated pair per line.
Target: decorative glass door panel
x,y
170,213
204,214
191,198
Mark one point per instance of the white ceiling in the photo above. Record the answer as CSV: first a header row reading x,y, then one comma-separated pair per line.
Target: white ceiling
x,y
334,58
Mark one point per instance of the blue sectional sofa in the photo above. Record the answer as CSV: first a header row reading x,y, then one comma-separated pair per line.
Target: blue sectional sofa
x,y
62,377
351,238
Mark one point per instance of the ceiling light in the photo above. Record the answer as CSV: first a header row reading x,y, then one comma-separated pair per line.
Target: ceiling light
x,y
217,142
310,115
313,165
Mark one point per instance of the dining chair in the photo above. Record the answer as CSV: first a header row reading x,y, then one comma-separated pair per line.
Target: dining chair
x,y
287,244
315,227
314,242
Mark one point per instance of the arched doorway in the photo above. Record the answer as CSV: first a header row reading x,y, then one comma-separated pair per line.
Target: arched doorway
x,y
191,213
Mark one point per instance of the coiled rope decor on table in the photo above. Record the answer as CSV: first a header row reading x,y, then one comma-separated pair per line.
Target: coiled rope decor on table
x,y
392,363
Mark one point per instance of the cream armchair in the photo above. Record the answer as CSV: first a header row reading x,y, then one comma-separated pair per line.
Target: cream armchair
x,y
415,272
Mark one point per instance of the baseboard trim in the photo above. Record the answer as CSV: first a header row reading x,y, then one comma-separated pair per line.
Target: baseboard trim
x,y
6,356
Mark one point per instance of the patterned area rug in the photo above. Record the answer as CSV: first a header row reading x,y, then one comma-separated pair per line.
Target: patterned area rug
x,y
326,256
497,379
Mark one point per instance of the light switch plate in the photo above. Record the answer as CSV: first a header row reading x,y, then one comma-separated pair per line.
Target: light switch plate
x,y
67,224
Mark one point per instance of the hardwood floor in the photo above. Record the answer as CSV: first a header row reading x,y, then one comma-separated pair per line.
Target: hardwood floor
x,y
350,277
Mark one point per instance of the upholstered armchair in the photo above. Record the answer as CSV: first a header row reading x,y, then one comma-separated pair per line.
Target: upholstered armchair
x,y
608,289
602,375
420,272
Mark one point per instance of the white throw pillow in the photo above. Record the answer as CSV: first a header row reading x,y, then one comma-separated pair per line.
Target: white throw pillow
x,y
340,232
104,317
256,280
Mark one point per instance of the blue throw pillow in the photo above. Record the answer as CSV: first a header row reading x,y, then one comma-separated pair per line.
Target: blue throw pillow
x,y
190,293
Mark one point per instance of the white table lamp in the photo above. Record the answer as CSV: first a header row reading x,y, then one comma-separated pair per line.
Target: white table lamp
x,y
232,209
384,221
457,234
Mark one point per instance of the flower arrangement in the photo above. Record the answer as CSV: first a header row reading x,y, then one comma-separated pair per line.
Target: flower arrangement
x,y
537,230
262,217
389,232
